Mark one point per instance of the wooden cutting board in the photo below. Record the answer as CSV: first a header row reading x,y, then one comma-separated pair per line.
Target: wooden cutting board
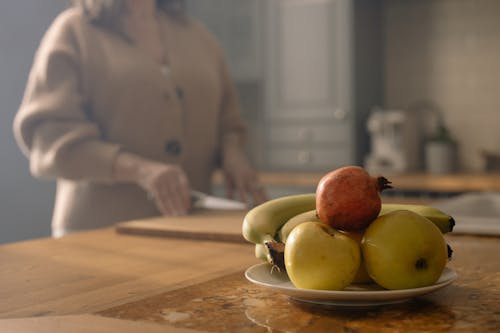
x,y
201,224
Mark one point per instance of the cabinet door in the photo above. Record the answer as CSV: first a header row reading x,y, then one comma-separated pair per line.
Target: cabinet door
x,y
308,78
308,72
237,26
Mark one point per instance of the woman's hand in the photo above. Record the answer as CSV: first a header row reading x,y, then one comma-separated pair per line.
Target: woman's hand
x,y
241,180
166,184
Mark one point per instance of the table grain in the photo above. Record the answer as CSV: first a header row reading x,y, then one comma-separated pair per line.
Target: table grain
x,y
193,285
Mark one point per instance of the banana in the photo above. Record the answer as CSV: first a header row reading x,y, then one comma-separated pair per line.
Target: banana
x,y
263,221
443,221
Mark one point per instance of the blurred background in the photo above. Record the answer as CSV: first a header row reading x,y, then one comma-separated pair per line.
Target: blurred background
x,y
399,86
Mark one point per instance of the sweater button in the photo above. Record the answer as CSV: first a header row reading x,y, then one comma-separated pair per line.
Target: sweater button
x,y
179,92
173,147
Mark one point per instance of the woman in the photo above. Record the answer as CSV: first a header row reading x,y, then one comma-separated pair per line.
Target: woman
x,y
129,105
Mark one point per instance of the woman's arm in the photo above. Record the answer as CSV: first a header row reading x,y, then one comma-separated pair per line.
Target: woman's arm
x,y
52,126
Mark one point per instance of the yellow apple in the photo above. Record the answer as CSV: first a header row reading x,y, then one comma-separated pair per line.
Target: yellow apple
x,y
403,249
319,257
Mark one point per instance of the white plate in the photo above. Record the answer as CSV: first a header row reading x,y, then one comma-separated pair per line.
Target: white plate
x,y
354,295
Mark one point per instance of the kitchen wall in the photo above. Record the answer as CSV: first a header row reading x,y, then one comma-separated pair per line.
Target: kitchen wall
x,y
25,203
448,51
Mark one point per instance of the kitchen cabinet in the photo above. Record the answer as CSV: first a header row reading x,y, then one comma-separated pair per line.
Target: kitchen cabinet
x,y
315,64
308,115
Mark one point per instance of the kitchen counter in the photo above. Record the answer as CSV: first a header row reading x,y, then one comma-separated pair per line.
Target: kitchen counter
x,y
459,182
107,282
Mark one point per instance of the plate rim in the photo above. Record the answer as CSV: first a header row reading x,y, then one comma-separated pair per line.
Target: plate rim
x,y
346,297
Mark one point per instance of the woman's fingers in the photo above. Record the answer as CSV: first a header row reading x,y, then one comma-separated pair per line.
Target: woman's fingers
x,y
170,189
185,191
246,187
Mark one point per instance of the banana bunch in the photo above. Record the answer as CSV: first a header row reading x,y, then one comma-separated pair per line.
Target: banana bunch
x,y
273,221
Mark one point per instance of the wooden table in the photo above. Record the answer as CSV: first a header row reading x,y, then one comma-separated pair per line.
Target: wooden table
x,y
101,281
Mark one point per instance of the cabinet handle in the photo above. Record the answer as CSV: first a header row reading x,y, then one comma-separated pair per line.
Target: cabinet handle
x,y
305,134
304,157
339,114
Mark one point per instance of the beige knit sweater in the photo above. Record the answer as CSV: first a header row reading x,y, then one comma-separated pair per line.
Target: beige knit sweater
x,y
91,94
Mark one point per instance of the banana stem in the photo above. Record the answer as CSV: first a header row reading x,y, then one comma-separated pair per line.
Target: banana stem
x,y
277,254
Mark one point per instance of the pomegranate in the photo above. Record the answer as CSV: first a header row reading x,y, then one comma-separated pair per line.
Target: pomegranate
x,y
348,198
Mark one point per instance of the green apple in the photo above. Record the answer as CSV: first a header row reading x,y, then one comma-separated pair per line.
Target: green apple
x,y
319,257
403,249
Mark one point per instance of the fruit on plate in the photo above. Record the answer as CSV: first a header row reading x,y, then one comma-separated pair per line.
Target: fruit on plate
x,y
362,276
348,198
403,249
319,257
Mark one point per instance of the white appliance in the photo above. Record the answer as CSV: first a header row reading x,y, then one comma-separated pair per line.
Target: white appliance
x,y
396,141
